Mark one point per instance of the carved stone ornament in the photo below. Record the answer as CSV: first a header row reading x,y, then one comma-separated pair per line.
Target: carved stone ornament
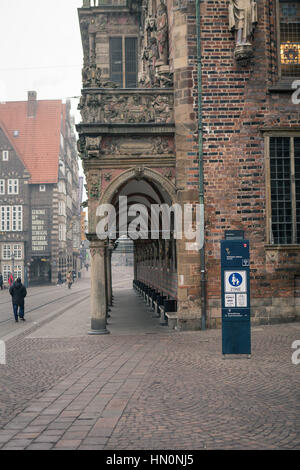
x,y
131,108
94,185
155,48
98,251
107,176
139,172
81,146
137,146
89,147
91,78
168,174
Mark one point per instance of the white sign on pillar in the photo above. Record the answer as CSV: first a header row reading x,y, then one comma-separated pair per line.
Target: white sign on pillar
x,y
235,281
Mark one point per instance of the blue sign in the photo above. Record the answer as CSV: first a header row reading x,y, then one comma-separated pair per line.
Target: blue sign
x,y
235,279
235,284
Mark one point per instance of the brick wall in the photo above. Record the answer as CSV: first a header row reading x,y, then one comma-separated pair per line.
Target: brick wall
x,y
237,104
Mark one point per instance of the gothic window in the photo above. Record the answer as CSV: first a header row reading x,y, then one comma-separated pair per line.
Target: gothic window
x,y
284,189
289,19
123,61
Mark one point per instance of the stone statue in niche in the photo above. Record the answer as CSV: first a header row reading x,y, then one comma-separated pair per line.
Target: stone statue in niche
x,y
162,34
242,21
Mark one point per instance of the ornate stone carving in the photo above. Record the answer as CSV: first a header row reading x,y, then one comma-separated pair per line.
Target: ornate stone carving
x,y
93,104
97,251
156,49
81,146
168,174
89,147
91,76
94,185
107,176
161,146
137,146
242,21
127,108
139,172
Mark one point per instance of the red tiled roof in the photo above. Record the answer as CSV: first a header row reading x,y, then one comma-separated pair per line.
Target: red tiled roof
x,y
38,142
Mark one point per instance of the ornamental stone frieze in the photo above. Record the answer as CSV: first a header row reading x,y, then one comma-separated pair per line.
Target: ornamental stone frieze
x,y
124,106
137,146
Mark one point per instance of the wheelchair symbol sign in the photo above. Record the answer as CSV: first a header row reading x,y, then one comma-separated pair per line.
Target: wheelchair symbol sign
x,y
235,281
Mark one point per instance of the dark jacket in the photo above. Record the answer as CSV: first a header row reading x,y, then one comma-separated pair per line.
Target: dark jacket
x,y
1,280
18,292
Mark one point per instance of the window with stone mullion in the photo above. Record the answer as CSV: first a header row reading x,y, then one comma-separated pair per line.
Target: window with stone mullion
x,y
285,190
289,20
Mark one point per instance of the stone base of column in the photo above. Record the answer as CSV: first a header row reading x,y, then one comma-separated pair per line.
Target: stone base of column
x,y
98,327
99,332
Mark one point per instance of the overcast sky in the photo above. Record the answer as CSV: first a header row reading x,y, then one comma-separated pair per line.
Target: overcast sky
x,y
40,49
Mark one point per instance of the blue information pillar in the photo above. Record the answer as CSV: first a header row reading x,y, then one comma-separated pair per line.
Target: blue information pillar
x,y
235,278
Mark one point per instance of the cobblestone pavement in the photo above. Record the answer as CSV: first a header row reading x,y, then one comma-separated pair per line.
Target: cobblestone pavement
x,y
152,389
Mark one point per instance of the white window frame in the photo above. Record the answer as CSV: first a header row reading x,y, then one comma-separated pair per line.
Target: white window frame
x,y
5,155
13,186
17,251
18,271
42,188
61,208
6,268
62,232
6,251
11,218
2,187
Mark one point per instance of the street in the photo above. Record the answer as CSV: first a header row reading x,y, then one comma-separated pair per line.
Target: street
x,y
143,386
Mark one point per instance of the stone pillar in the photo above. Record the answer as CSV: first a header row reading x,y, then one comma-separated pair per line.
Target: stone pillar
x,y
108,275
98,288
135,260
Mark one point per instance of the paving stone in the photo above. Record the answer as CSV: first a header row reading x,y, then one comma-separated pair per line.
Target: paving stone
x,y
163,391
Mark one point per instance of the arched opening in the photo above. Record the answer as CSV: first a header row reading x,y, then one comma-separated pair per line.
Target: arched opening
x,y
137,201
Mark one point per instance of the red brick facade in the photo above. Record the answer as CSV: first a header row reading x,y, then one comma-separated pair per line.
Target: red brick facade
x,y
242,105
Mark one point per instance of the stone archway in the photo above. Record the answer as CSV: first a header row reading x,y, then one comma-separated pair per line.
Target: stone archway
x,y
138,173
139,182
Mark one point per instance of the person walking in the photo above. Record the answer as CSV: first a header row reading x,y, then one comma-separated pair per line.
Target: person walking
x,y
59,279
10,279
69,279
1,281
18,293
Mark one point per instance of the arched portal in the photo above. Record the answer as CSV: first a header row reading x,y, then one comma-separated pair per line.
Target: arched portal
x,y
155,259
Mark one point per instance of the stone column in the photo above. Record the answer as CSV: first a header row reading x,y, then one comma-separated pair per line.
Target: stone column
x,y
109,275
98,288
135,261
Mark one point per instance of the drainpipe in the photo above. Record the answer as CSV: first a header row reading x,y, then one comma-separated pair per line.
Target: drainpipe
x,y
201,177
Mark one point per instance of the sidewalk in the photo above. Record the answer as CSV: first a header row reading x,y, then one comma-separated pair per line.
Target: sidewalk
x,y
147,387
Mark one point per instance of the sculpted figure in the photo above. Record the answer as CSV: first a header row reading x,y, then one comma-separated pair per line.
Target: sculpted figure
x,y
242,19
162,33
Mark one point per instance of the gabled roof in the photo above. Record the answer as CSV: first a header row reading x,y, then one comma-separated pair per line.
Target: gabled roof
x,y
38,141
